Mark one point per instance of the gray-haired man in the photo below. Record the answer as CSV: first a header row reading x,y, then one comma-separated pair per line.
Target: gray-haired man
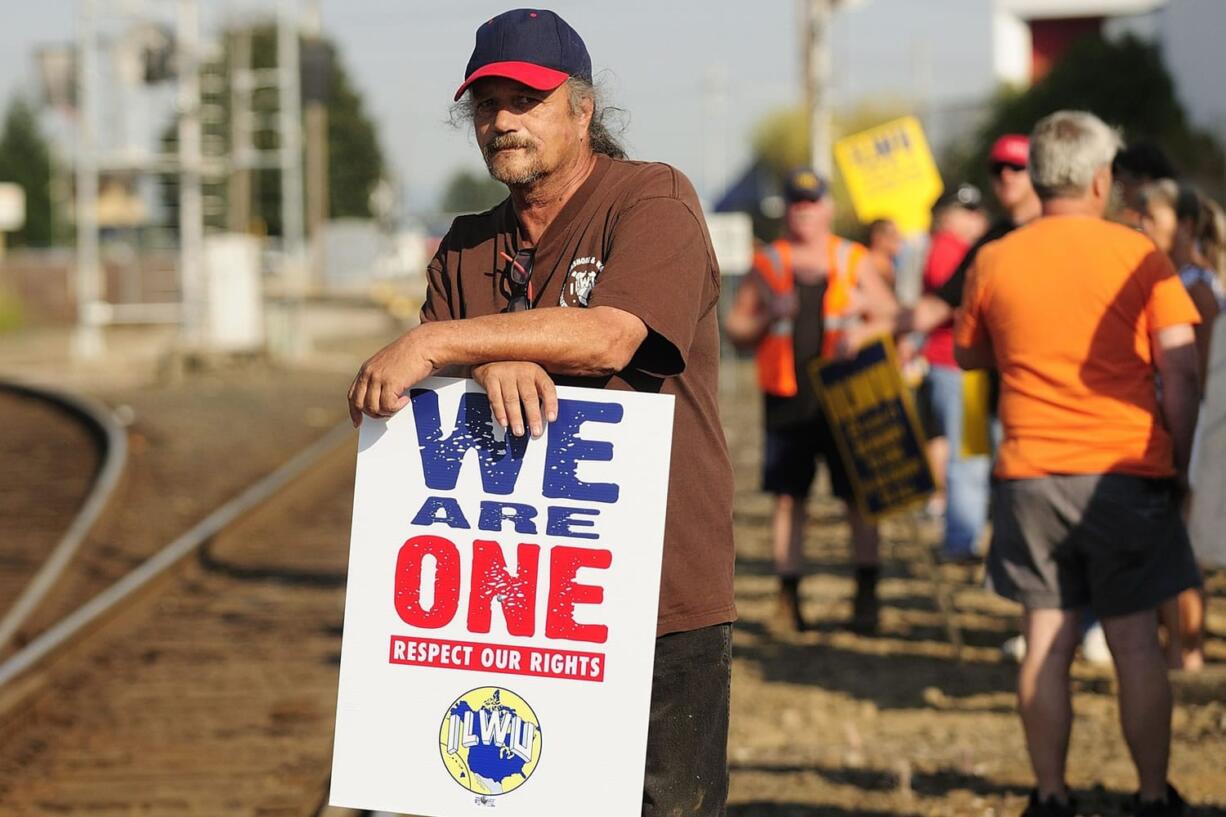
x,y
1080,315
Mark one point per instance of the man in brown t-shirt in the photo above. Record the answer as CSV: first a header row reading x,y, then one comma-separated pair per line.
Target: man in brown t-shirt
x,y
595,272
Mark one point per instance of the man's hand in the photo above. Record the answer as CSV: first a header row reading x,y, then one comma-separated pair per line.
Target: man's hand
x,y
519,391
380,386
907,350
854,337
782,306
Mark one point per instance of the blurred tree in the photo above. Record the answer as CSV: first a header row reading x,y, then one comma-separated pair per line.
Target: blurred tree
x,y
468,192
781,139
355,158
25,158
1125,83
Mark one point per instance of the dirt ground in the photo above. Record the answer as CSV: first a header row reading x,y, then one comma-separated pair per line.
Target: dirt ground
x,y
57,459
827,723
193,444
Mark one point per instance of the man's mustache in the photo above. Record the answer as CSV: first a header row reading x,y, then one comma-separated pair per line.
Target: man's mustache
x,y
507,142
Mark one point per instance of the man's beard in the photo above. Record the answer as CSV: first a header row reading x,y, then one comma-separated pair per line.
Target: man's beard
x,y
524,173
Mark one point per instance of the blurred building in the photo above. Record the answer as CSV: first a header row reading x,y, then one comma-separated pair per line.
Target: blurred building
x,y
1190,32
1029,36
1032,35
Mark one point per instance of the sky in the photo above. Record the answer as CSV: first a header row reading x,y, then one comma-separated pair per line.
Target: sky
x,y
694,76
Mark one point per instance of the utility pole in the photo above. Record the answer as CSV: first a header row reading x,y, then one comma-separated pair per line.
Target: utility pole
x,y
191,196
87,339
316,84
239,216
292,216
818,83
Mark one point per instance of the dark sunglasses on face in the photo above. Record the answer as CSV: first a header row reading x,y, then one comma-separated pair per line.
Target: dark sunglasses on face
x,y
519,280
997,168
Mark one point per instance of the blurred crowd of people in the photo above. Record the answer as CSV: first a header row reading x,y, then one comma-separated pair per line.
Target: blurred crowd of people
x,y
1059,353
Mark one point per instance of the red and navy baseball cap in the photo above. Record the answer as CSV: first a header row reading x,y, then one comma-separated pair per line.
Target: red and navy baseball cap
x,y
532,46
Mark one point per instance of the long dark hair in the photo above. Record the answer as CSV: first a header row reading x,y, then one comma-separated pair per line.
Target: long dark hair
x,y
603,131
600,134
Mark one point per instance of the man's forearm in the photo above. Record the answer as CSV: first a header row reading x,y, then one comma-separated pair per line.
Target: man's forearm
x,y
928,313
746,331
979,356
580,342
1180,405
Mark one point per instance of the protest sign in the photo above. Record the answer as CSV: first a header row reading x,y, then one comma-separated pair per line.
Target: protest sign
x,y
876,428
501,608
890,173
976,414
1207,526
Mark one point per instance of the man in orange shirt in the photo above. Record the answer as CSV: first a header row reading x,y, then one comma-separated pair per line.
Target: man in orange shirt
x,y
1080,315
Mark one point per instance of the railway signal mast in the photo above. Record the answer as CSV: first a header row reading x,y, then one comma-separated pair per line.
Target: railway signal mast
x,y
195,164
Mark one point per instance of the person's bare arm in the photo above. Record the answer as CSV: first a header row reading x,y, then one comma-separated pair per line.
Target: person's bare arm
x,y
581,342
979,356
1175,359
749,317
876,305
928,313
1206,304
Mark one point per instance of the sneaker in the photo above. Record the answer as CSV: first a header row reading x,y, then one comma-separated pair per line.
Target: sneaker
x,y
1094,646
1051,807
1015,648
1172,806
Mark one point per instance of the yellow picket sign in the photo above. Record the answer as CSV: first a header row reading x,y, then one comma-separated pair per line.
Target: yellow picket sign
x,y
890,173
976,414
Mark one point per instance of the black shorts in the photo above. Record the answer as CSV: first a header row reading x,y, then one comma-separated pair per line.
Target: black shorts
x,y
790,461
1111,541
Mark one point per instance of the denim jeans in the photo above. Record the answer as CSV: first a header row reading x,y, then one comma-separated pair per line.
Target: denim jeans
x,y
966,478
687,734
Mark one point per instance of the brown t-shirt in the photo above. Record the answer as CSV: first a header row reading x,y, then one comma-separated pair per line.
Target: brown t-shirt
x,y
632,237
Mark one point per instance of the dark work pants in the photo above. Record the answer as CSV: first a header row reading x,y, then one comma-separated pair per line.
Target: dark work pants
x,y
687,736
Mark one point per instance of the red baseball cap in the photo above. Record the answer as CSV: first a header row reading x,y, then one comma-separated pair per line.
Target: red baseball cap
x,y
532,46
1012,148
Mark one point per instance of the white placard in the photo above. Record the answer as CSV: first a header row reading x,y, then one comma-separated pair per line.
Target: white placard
x,y
12,207
501,608
1207,526
732,240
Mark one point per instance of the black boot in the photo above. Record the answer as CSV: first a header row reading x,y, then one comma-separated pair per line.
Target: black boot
x,y
865,608
1051,807
787,615
1171,806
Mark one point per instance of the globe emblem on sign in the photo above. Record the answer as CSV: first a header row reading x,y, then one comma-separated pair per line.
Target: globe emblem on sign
x,y
490,741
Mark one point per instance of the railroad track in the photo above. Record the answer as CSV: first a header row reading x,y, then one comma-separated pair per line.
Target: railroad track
x,y
202,682
64,455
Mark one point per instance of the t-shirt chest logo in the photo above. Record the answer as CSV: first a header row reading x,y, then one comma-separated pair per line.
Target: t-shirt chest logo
x,y
580,279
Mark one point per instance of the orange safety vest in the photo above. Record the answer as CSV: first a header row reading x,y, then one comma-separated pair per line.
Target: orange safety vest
x,y
772,265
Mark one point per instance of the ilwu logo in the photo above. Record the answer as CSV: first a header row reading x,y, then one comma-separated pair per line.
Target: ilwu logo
x,y
490,741
580,279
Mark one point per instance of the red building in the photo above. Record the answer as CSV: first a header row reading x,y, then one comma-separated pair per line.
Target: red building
x,y
1054,25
